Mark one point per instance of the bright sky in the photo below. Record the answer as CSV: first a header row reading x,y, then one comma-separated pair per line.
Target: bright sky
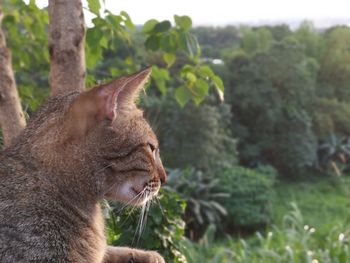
x,y
223,12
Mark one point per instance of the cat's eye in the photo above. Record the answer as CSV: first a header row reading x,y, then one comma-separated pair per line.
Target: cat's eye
x,y
153,149
151,146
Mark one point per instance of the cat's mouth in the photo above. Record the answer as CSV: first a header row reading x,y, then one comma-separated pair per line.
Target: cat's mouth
x,y
135,193
149,191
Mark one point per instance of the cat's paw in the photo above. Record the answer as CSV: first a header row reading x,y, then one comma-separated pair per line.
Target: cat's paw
x,y
131,255
146,257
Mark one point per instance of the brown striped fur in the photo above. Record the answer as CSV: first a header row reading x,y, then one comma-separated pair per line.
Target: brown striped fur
x,y
78,149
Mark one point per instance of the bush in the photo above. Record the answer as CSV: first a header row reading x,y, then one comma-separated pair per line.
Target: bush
x,y
271,93
203,198
164,229
251,195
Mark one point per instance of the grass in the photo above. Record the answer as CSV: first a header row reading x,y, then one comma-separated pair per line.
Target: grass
x,y
324,203
311,225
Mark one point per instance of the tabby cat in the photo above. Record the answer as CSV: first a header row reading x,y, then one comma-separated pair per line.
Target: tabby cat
x,y
78,149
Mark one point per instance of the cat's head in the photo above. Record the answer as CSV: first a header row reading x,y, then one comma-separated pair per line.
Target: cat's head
x,y
104,134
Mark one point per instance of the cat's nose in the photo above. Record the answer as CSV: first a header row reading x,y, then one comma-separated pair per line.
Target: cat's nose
x,y
162,174
160,169
163,177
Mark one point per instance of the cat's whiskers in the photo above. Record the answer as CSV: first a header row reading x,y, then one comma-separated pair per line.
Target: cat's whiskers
x,y
133,208
138,197
143,217
104,168
160,205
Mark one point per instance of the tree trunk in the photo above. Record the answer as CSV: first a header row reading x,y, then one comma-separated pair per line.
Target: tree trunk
x,y
66,46
12,119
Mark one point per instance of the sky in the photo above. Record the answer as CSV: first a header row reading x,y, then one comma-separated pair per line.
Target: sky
x,y
225,12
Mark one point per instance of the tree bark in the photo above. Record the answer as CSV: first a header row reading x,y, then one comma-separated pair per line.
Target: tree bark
x,y
66,46
12,119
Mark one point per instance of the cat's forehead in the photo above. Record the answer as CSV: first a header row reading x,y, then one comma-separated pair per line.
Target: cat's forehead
x,y
135,126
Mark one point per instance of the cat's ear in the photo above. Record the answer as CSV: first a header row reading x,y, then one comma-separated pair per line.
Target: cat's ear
x,y
104,102
120,94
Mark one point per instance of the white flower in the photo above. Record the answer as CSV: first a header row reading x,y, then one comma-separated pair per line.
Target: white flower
x,y
341,237
306,227
314,261
309,253
312,230
269,234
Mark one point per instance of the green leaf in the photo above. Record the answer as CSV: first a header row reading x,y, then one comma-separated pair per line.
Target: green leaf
x,y
114,21
219,85
152,42
206,72
183,22
189,44
94,6
218,82
191,77
182,95
127,20
162,26
93,37
149,25
168,43
169,58
104,42
200,89
160,76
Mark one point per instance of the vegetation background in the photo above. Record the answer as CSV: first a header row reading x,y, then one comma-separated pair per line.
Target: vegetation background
x,y
260,176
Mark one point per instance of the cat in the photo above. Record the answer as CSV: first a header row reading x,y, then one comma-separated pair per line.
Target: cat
x,y
78,149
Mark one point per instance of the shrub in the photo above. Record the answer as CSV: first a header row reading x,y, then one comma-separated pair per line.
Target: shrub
x,y
161,230
271,93
203,198
251,195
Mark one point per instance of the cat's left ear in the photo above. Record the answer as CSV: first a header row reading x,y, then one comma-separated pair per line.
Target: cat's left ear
x,y
121,94
105,102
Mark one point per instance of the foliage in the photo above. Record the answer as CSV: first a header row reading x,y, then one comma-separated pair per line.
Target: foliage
x,y
26,33
271,94
194,136
205,250
295,241
334,154
330,116
216,41
113,37
204,200
334,64
163,229
114,46
251,192
255,40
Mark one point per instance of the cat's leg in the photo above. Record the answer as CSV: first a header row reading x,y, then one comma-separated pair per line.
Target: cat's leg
x,y
131,255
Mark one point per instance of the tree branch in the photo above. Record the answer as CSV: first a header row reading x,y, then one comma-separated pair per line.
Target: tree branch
x,y
11,114
66,46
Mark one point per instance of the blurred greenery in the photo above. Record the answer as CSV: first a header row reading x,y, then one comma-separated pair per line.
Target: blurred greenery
x,y
203,196
253,124
164,226
312,228
249,206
